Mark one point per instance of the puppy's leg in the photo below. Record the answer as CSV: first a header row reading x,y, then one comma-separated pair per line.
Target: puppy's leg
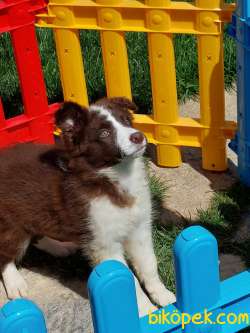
x,y
14,283
140,250
12,248
115,252
55,247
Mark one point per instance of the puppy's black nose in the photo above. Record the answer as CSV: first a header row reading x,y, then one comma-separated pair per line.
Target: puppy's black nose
x,y
136,137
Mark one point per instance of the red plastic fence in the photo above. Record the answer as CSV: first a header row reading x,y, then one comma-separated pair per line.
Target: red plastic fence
x,y
36,123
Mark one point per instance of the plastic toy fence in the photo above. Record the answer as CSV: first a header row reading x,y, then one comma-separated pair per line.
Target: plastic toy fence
x,y
241,144
113,298
160,19
36,123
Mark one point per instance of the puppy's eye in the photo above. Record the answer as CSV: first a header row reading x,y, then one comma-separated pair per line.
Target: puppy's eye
x,y
104,133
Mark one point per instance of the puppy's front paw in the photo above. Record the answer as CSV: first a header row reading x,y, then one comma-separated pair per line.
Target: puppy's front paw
x,y
16,288
160,295
14,283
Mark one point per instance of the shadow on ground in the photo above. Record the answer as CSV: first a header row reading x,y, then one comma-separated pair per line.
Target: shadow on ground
x,y
193,157
72,271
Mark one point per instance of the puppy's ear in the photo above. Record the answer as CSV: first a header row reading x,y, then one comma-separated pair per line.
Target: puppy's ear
x,y
71,119
122,102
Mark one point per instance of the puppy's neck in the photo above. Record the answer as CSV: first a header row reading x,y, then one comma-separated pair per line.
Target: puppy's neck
x,y
122,170
130,175
126,166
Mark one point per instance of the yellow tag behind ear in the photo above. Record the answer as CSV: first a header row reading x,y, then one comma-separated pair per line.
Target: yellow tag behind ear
x,y
57,131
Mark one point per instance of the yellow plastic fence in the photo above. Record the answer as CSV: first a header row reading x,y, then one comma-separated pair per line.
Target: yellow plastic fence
x,y
160,19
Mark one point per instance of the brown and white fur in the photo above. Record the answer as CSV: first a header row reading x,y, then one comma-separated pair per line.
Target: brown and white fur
x,y
89,192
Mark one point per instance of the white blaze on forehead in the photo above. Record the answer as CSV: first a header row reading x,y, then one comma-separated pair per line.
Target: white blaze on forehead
x,y
123,133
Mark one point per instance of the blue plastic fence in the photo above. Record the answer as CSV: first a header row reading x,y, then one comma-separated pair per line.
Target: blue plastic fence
x,y
113,299
21,316
240,29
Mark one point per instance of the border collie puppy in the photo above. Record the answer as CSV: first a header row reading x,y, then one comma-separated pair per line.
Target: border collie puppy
x,y
90,191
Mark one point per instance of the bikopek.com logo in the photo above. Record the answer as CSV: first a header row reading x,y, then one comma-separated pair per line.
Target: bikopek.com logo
x,y
207,317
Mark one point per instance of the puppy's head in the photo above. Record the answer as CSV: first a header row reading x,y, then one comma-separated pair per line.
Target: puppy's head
x,y
102,135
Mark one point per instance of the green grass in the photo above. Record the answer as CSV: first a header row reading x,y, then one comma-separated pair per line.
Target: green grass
x,y
222,218
186,68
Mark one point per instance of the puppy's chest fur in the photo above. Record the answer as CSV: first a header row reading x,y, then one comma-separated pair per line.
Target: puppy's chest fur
x,y
111,221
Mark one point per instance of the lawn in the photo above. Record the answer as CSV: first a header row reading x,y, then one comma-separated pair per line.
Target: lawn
x,y
186,68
